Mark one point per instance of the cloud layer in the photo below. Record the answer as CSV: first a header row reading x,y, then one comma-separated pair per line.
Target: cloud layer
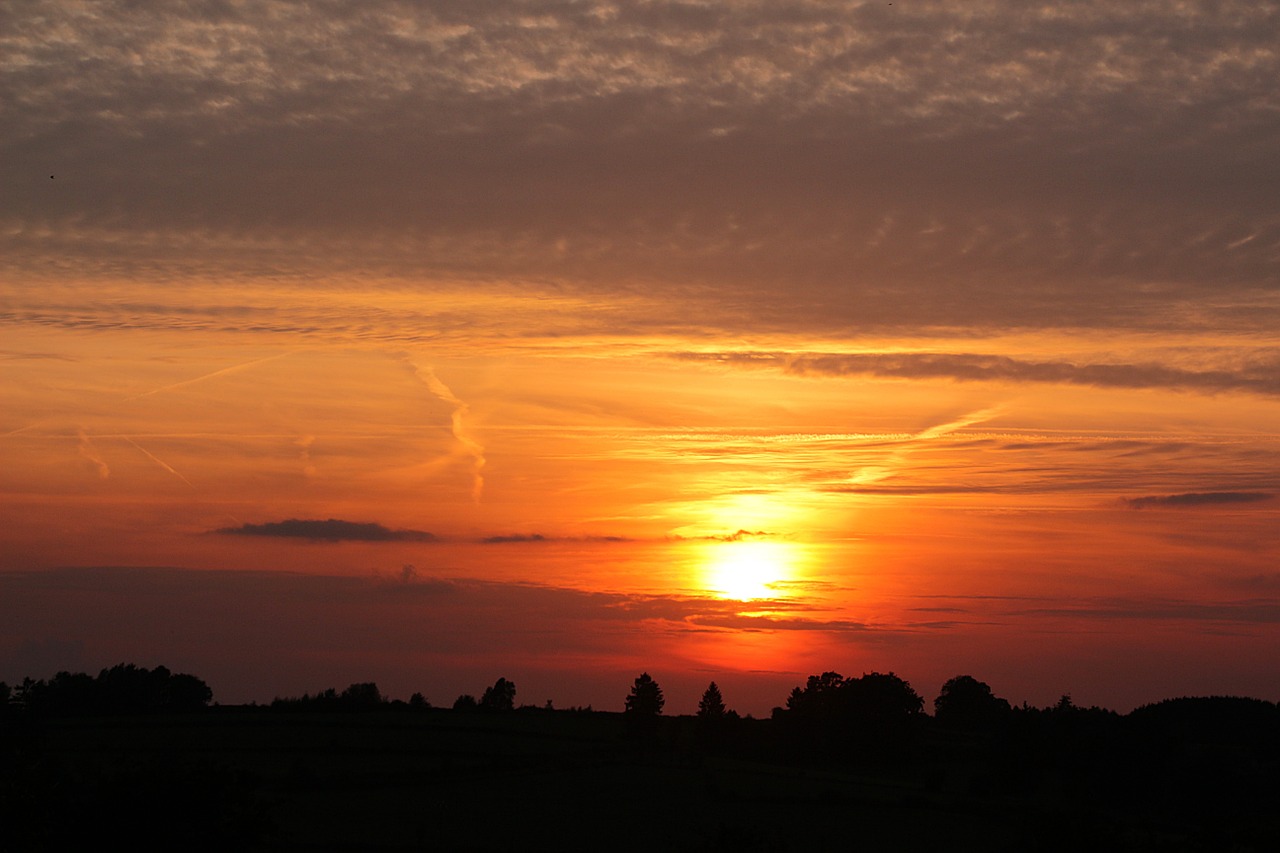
x,y
1091,163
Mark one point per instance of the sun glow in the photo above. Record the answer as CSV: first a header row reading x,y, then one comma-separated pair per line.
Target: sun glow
x,y
747,570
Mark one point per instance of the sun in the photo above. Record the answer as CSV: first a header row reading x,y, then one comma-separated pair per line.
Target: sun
x,y
746,570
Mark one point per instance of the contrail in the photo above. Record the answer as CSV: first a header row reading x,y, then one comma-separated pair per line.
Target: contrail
x,y
959,423
224,371
21,430
875,473
304,454
88,451
159,462
460,432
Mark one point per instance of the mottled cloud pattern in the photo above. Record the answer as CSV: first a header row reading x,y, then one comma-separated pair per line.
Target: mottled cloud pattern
x,y
930,162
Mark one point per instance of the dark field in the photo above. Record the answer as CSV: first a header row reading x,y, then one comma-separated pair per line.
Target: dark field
x,y
433,779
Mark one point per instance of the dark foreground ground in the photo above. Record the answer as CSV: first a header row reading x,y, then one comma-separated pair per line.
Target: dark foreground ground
x,y
253,778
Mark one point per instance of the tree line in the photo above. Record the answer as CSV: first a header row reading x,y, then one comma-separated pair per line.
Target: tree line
x,y
121,689
875,706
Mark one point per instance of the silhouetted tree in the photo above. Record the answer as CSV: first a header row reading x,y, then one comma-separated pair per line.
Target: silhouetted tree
x,y
187,693
715,722
967,703
465,702
127,688
711,706
417,701
883,697
500,697
79,693
820,698
833,715
646,697
364,696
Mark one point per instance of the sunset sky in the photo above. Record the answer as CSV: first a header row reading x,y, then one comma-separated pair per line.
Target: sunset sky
x,y
432,342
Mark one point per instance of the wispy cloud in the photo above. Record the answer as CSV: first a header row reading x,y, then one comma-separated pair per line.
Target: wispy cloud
x,y
1003,608
752,622
1259,611
328,530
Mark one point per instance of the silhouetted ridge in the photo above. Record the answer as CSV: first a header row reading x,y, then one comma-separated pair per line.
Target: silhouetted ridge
x,y
1216,718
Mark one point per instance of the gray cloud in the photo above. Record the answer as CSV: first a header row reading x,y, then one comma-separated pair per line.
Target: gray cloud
x,y
514,538
1257,373
1192,500
328,530
736,536
1088,164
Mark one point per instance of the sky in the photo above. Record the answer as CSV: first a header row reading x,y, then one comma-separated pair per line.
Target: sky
x,y
433,342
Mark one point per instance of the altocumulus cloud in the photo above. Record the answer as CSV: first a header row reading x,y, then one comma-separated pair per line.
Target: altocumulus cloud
x,y
328,530
995,162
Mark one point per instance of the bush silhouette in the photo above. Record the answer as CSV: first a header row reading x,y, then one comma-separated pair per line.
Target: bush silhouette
x,y
361,697
500,697
968,704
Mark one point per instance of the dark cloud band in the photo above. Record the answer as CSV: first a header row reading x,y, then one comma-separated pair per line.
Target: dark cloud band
x,y
328,530
1261,376
1192,500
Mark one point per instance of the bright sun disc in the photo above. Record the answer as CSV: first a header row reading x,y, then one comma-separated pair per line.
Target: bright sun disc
x,y
743,571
